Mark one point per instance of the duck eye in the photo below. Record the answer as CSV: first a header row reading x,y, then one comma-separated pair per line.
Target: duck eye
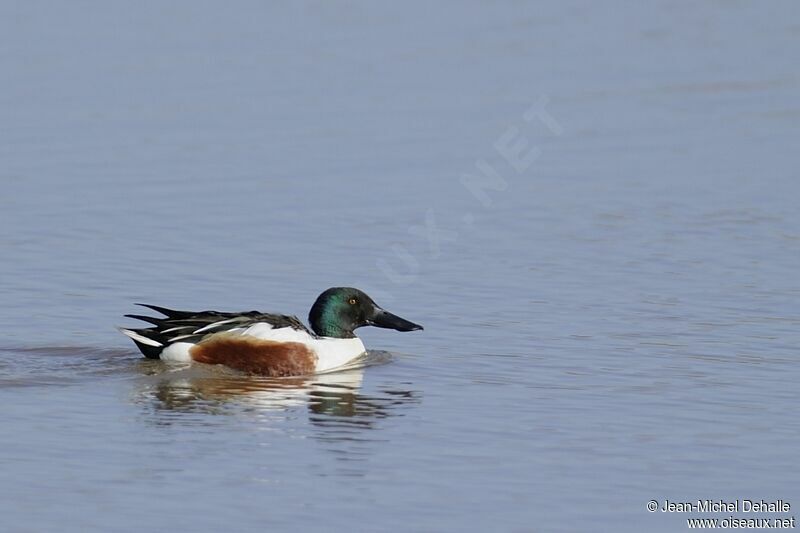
x,y
353,301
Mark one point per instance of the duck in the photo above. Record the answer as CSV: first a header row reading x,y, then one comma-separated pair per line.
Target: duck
x,y
267,344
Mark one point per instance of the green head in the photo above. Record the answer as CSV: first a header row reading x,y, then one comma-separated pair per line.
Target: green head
x,y
340,310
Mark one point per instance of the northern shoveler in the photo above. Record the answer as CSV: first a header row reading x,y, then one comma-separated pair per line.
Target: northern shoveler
x,y
265,343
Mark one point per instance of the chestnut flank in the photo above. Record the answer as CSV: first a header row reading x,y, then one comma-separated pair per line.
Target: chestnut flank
x,y
256,356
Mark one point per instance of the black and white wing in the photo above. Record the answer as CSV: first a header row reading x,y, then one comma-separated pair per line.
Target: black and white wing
x,y
192,326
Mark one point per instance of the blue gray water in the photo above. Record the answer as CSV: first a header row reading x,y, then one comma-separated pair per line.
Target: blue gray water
x,y
611,310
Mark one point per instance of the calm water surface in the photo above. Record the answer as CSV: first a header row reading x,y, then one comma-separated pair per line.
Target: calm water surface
x,y
615,321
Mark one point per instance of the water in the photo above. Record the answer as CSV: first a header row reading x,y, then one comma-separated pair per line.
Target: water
x,y
615,321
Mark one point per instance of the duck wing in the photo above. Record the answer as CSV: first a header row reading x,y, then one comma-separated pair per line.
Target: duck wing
x,y
193,326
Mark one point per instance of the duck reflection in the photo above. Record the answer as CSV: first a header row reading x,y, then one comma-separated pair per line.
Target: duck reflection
x,y
330,399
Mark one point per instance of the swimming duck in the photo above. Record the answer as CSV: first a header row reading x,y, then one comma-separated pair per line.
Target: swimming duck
x,y
266,343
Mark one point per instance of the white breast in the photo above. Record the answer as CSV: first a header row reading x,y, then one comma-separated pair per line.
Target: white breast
x,y
333,353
